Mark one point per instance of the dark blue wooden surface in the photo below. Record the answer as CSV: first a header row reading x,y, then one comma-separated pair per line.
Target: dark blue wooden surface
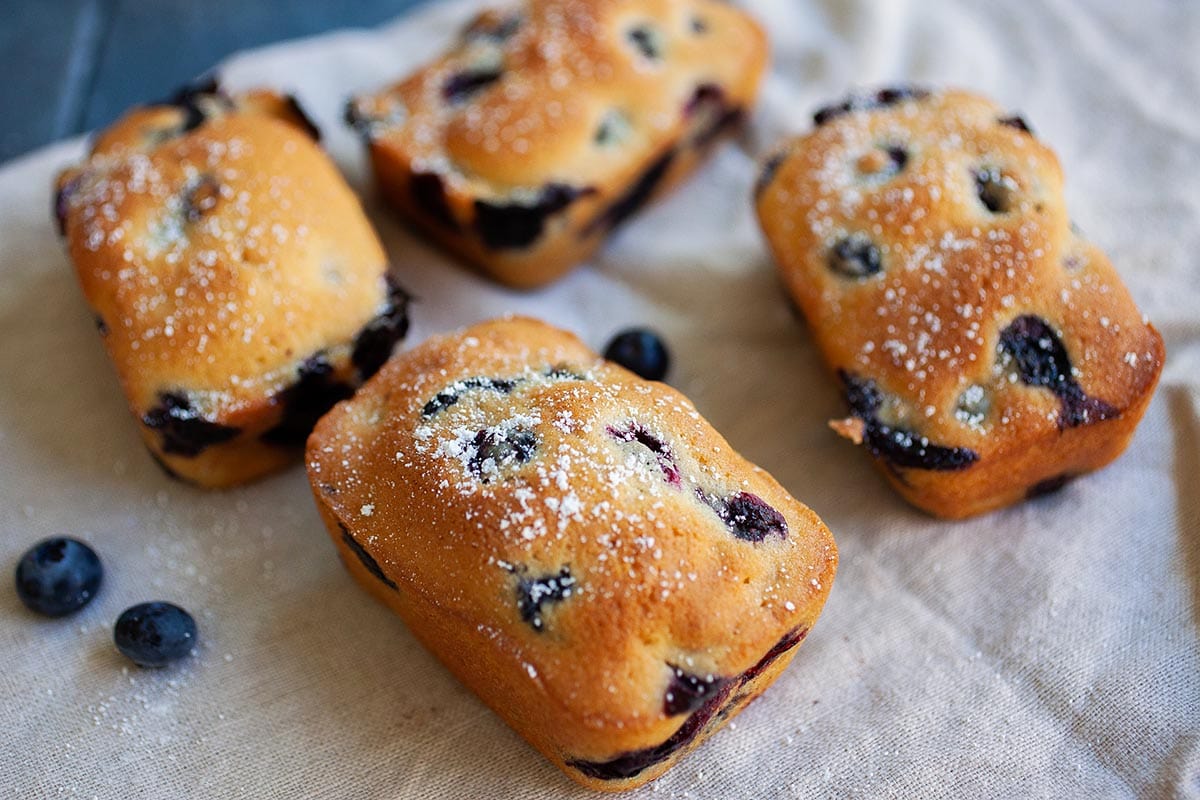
x,y
73,65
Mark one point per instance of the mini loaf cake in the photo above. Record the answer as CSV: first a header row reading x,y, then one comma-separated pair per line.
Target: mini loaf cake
x,y
239,288
576,544
547,126
987,351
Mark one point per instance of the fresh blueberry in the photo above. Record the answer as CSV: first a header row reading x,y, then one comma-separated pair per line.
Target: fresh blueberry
x,y
155,634
640,351
58,576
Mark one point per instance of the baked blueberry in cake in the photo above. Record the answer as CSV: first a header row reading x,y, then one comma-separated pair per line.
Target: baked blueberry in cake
x,y
576,544
547,125
986,351
236,283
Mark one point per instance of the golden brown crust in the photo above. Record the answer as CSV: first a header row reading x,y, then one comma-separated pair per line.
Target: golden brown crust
x,y
551,526
989,351
543,128
231,271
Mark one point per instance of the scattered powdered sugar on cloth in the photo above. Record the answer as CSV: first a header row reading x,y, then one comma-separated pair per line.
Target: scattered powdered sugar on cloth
x,y
1047,650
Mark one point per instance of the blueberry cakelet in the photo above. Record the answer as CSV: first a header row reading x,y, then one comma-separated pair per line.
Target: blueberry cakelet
x,y
576,544
987,351
546,126
238,287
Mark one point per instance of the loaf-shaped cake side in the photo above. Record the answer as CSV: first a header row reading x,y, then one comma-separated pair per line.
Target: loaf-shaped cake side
x,y
577,545
238,286
987,351
546,126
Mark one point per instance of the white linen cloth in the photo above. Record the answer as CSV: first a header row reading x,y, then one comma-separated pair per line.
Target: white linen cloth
x,y
1049,650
